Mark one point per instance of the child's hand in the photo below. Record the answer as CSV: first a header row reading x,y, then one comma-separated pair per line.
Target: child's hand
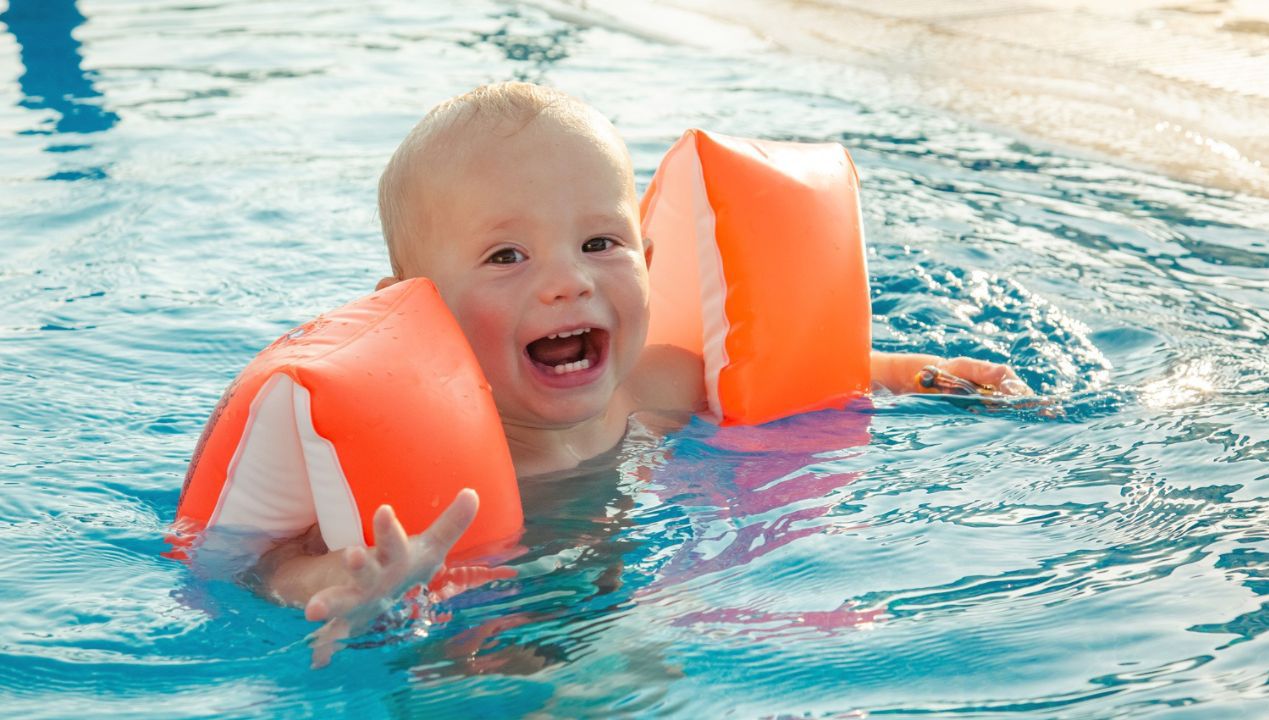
x,y
380,575
902,373
1000,378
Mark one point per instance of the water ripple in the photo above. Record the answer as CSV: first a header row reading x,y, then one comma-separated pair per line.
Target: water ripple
x,y
1100,554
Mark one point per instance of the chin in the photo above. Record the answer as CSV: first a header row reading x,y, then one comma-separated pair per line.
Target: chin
x,y
566,415
562,411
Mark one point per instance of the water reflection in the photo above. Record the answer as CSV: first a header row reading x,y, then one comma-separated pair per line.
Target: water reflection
x,y
53,79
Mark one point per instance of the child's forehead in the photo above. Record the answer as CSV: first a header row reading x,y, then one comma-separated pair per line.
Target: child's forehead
x,y
500,134
613,212
476,154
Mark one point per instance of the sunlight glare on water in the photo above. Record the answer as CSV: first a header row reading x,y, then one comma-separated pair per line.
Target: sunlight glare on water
x,y
184,183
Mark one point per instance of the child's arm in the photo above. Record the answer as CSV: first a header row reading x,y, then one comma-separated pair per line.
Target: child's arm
x,y
897,372
350,588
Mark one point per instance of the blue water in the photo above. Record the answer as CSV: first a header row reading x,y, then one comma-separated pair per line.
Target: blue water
x,y
183,182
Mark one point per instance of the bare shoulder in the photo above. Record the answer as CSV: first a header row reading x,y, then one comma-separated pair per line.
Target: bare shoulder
x,y
667,378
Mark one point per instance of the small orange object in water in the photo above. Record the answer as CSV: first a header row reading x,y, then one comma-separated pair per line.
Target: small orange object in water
x,y
759,266
379,401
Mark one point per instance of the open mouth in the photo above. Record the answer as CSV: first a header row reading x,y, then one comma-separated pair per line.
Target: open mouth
x,y
568,352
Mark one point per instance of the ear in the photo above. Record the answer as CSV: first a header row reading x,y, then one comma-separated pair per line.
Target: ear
x,y
647,252
386,282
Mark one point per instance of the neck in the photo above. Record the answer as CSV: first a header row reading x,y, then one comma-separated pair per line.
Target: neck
x,y
537,450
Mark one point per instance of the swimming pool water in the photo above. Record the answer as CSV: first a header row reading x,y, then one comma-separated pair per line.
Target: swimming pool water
x,y
184,182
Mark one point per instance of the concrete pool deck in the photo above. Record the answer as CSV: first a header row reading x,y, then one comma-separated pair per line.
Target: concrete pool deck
x,y
1181,87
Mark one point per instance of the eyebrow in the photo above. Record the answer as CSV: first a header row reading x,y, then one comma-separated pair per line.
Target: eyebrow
x,y
509,223
603,217
604,222
617,214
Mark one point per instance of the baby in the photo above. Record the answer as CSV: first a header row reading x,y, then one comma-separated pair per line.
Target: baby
x,y
519,202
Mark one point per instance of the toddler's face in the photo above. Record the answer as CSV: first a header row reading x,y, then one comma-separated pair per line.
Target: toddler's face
x,y
534,243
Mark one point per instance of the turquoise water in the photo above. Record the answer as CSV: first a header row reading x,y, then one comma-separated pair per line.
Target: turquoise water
x,y
184,182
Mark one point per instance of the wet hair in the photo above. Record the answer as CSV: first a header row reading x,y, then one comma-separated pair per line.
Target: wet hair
x,y
502,109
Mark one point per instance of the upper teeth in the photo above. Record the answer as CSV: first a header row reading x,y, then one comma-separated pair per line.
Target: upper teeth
x,y
569,333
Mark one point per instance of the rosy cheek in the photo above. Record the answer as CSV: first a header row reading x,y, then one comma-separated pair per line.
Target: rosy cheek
x,y
488,333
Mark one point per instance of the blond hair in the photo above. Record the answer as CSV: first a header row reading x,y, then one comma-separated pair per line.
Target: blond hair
x,y
510,104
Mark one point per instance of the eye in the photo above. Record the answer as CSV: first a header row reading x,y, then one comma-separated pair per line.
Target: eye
x,y
598,244
506,256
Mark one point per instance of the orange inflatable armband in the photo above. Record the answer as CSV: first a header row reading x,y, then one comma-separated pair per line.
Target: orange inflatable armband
x,y
380,401
759,266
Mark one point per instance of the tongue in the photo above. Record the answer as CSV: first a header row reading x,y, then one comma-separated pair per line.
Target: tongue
x,y
557,351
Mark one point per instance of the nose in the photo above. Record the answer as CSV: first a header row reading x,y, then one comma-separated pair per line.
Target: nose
x,y
565,278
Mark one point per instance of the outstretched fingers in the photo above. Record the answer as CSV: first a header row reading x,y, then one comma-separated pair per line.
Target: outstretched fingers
x,y
378,576
435,542
391,542
326,641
